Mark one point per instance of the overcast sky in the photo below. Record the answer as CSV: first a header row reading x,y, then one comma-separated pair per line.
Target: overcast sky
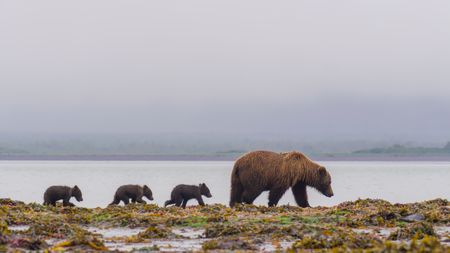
x,y
319,68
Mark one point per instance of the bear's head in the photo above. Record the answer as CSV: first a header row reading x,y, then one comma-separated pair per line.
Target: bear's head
x,y
204,190
306,171
324,182
76,192
147,192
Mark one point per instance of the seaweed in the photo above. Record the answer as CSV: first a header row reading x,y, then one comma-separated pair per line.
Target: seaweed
x,y
361,225
416,230
233,243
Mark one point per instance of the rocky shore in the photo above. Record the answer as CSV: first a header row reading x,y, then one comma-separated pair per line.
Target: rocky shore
x,y
364,225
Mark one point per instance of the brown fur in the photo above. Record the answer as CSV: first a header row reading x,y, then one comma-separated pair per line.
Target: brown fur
x,y
260,171
182,193
134,192
64,193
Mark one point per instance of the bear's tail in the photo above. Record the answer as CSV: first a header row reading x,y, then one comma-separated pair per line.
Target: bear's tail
x,y
236,187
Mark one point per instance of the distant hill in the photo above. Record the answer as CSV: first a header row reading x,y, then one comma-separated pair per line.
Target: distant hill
x,y
203,146
404,150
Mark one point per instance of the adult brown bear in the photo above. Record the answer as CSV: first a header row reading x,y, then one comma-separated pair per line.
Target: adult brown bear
x,y
260,171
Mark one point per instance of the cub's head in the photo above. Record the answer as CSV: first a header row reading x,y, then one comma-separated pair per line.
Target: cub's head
x,y
312,174
76,192
204,190
147,192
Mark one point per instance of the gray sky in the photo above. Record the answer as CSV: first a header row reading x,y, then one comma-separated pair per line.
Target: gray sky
x,y
318,68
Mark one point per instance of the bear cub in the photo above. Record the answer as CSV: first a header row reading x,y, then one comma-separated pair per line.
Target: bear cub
x,y
182,193
64,193
134,192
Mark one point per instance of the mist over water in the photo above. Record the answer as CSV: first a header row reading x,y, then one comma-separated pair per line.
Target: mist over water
x,y
397,182
319,69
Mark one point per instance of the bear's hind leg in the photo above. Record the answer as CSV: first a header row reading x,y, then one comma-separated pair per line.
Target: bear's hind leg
x,y
126,201
236,191
116,200
275,195
169,202
178,200
248,197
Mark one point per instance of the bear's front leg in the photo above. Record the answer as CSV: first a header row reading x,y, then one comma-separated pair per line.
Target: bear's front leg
x,y
300,195
140,200
184,203
200,200
66,202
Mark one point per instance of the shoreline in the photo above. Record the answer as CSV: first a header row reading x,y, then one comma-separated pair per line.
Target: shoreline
x,y
344,158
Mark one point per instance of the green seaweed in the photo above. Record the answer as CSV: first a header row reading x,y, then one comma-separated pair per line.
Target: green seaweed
x,y
244,228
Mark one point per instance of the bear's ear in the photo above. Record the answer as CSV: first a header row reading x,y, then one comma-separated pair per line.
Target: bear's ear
x,y
294,155
322,171
75,187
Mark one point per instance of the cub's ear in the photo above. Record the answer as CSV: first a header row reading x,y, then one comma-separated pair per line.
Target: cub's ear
x,y
75,187
322,171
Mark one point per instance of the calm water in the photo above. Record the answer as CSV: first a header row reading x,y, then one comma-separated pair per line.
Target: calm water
x,y
394,181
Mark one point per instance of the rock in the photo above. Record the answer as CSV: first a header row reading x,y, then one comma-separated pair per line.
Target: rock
x,y
413,217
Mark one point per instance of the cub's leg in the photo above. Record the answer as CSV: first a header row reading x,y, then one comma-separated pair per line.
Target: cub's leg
x,y
126,201
178,200
140,200
66,202
116,200
169,202
184,203
200,200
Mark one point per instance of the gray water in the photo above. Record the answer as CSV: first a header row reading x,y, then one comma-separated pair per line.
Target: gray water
x,y
398,182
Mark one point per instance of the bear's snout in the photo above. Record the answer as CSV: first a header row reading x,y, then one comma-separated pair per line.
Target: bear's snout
x,y
329,193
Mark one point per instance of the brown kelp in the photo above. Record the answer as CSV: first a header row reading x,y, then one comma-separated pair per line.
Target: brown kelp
x,y
361,225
